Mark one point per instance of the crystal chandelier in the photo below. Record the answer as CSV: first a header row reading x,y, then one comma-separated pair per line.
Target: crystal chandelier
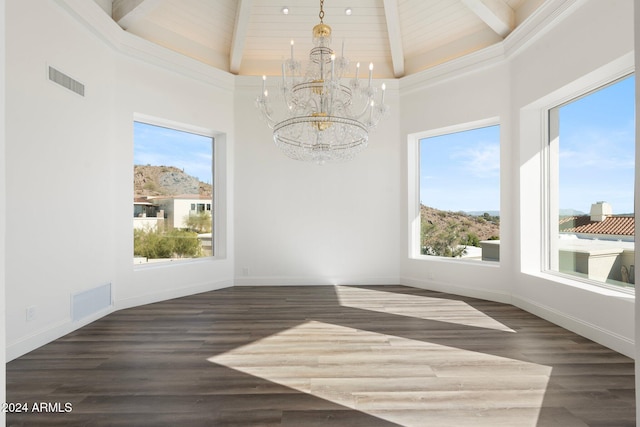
x,y
320,118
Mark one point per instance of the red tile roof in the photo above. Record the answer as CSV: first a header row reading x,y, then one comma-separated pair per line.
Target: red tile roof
x,y
613,225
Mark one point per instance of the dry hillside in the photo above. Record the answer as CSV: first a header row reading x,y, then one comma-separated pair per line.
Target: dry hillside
x,y
483,227
166,181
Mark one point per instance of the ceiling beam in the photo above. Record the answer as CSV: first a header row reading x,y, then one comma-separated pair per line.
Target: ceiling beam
x,y
495,13
128,12
392,16
243,13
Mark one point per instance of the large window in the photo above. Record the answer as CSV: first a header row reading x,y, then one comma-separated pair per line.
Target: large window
x,y
591,186
173,194
459,191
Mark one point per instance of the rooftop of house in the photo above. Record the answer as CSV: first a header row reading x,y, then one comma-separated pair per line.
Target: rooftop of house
x,y
622,225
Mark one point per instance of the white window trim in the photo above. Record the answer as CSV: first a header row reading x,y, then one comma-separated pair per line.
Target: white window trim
x,y
413,184
535,180
219,202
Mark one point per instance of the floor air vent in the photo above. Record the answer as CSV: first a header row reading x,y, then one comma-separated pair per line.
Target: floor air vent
x,y
63,80
90,301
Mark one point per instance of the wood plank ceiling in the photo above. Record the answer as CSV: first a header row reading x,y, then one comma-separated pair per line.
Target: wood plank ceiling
x,y
252,37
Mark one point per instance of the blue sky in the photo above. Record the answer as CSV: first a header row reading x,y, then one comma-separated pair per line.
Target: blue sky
x,y
158,146
597,149
460,171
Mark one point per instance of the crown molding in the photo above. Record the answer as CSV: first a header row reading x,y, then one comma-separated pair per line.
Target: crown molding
x,y
94,19
467,64
543,20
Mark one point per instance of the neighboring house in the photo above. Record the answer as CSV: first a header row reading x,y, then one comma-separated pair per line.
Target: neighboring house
x,y
599,245
177,208
600,224
146,215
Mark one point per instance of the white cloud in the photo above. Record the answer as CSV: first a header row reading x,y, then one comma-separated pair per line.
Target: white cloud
x,y
480,161
598,149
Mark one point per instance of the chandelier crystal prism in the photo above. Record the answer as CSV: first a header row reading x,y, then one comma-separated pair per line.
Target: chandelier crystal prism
x,y
321,118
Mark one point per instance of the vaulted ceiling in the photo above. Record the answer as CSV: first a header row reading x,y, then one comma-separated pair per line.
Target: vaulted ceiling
x,y
252,37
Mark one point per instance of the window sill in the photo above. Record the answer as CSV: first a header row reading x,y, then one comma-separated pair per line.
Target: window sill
x,y
456,261
174,262
602,289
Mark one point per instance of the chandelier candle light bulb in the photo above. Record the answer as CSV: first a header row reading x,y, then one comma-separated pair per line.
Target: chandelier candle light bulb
x,y
321,118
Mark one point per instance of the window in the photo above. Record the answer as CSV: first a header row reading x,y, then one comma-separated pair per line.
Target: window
x,y
590,186
459,193
173,182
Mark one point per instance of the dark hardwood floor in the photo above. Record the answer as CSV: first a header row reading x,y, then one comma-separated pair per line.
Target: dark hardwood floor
x,y
323,356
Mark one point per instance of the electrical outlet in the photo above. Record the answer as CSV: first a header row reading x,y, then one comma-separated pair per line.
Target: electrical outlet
x,y
31,313
245,271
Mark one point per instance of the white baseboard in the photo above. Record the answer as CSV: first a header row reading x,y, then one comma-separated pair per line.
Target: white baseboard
x,y
588,330
312,281
50,333
66,326
612,340
171,294
432,285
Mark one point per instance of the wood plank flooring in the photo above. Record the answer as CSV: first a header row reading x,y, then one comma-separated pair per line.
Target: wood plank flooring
x,y
323,356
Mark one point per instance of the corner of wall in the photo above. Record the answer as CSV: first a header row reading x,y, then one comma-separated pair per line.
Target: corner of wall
x,y
3,212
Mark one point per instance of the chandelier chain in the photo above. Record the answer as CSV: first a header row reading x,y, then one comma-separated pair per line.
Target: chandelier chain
x,y
321,14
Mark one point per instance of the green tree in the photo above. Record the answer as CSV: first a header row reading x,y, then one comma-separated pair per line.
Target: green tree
x,y
155,244
151,244
446,242
471,239
184,243
200,222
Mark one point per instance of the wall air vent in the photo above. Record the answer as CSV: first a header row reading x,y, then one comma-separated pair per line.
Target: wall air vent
x,y
63,80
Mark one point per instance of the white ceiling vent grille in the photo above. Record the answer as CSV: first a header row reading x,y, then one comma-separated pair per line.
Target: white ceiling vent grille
x,y
63,80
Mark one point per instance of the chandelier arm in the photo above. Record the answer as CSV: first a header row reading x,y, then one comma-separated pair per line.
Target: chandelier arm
x,y
264,106
364,112
290,101
268,118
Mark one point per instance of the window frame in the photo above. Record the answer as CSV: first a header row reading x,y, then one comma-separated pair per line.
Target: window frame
x,y
219,180
413,186
550,175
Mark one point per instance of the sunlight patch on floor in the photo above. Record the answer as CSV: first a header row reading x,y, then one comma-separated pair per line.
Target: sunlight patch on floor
x,y
394,378
420,307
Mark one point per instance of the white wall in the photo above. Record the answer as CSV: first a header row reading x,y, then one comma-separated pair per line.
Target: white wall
x,y
471,97
506,83
302,223
58,151
3,211
71,152
584,50
160,93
